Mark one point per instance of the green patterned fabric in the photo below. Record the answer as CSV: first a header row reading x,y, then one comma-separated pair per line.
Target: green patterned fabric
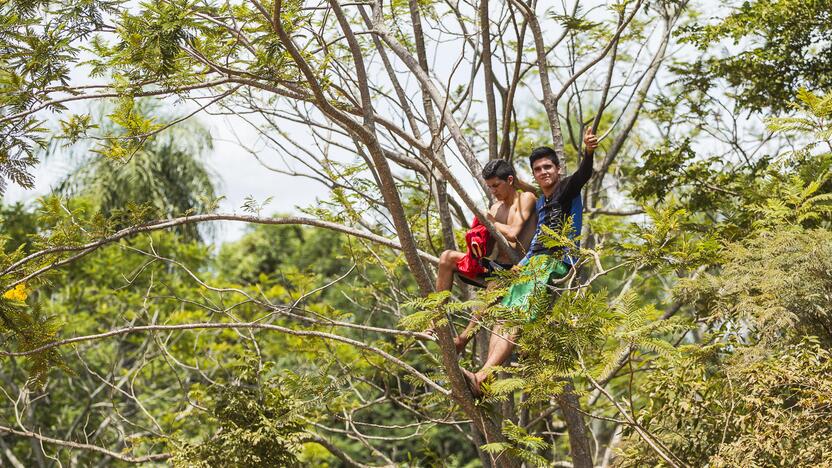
x,y
545,270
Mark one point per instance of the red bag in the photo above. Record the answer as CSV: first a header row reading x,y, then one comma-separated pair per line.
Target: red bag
x,y
477,239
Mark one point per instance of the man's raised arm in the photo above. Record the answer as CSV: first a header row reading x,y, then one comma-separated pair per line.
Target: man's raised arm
x,y
581,176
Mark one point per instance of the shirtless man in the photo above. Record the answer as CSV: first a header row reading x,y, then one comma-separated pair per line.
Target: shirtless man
x,y
512,214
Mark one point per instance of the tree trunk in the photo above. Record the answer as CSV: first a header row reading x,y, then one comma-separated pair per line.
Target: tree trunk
x,y
579,448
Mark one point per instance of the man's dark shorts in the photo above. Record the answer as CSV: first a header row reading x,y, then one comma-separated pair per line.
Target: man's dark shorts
x,y
490,267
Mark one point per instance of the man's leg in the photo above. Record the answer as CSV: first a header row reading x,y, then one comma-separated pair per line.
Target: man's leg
x,y
445,273
465,336
500,347
502,341
447,267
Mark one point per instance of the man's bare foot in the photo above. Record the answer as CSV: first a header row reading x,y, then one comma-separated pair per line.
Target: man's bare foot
x,y
473,383
480,377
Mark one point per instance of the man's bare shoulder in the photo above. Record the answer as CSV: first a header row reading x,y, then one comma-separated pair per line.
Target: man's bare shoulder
x,y
528,197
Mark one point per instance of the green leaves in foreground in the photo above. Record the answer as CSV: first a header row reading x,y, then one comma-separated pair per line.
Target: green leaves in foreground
x,y
583,333
29,328
428,309
727,405
257,422
521,445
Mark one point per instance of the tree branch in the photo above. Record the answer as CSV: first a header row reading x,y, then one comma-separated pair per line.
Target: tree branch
x,y
80,446
165,224
244,325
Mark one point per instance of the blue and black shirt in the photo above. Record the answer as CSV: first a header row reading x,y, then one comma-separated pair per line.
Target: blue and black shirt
x,y
554,210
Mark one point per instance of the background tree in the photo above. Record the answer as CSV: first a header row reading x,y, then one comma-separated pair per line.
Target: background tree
x,y
780,50
166,176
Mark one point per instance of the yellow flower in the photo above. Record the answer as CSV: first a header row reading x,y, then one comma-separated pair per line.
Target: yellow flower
x,y
18,293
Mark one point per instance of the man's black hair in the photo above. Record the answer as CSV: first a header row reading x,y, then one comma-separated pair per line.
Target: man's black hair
x,y
544,152
498,168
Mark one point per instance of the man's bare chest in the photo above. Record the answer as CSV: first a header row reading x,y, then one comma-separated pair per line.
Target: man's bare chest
x,y
504,213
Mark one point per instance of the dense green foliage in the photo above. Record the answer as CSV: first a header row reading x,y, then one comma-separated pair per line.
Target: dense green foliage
x,y
695,333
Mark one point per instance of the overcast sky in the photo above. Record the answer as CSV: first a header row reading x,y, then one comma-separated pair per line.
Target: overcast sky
x,y
237,173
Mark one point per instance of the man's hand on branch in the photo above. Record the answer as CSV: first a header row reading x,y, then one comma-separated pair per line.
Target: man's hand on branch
x,y
590,140
460,341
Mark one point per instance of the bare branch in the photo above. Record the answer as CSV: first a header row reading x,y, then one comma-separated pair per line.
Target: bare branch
x,y
243,325
80,446
170,223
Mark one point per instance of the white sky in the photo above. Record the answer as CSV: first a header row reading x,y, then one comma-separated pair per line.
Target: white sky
x,y
237,174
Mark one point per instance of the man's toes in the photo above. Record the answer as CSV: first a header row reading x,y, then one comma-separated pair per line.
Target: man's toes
x,y
479,379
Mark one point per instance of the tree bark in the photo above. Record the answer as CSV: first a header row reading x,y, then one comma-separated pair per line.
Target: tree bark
x,y
440,185
485,56
576,427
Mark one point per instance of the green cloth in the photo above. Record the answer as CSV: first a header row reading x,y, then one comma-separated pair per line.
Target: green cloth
x,y
545,269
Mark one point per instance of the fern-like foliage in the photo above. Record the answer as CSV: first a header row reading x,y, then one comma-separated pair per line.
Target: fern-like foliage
x,y
520,445
22,322
584,333
428,309
258,420
16,165
813,119
796,202
667,240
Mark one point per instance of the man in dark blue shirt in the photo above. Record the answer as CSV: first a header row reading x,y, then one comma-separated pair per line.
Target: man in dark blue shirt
x,y
561,201
561,196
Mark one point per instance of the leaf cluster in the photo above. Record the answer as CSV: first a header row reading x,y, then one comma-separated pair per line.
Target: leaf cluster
x,y
257,422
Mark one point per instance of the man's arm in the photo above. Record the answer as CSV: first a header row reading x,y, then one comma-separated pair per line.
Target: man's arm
x,y
512,230
577,181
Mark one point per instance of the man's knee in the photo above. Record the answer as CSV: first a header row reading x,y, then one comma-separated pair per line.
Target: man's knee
x,y
447,259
